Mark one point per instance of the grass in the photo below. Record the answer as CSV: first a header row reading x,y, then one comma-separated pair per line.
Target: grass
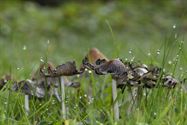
x,y
29,33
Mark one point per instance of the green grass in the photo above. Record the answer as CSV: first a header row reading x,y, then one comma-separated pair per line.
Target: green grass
x,y
72,29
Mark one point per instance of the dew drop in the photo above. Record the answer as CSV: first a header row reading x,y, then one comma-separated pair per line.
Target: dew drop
x,y
132,59
169,62
89,102
158,52
164,70
130,51
149,54
181,68
24,47
182,42
174,26
90,71
41,59
78,76
53,102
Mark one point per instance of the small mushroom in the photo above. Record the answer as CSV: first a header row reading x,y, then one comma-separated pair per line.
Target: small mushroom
x,y
4,80
169,81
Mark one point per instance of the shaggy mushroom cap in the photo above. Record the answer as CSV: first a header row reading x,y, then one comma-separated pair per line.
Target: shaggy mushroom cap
x,y
169,81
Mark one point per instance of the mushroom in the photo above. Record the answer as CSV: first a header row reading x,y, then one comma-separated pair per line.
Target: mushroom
x,y
44,79
119,74
4,80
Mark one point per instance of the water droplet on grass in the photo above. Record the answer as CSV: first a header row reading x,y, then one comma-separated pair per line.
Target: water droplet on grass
x,y
130,51
174,26
158,52
132,59
41,59
169,62
164,70
149,54
53,102
24,47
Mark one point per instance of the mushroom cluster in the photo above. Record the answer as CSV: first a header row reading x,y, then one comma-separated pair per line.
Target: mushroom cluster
x,y
46,80
131,74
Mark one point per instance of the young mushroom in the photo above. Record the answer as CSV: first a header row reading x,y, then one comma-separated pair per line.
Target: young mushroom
x,y
60,72
92,56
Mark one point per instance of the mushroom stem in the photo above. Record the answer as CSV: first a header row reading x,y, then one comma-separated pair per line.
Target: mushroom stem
x,y
27,104
63,110
115,103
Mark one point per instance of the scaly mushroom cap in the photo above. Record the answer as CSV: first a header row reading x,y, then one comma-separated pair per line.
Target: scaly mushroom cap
x,y
93,57
24,86
67,69
169,81
43,70
94,54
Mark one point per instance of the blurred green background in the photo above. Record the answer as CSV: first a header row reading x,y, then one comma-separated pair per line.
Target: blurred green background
x,y
61,30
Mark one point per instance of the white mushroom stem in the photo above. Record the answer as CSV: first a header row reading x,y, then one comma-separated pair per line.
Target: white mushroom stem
x,y
63,110
27,104
114,97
